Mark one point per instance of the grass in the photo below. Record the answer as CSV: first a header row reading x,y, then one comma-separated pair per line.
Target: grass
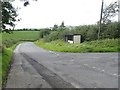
x,y
5,59
10,39
21,35
107,45
0,69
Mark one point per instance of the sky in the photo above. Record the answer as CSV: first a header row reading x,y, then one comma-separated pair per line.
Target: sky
x,y
46,13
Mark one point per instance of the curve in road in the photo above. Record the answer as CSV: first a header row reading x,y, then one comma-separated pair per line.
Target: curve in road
x,y
34,67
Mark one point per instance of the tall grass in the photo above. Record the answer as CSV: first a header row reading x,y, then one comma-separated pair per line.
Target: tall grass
x,y
5,61
107,45
0,69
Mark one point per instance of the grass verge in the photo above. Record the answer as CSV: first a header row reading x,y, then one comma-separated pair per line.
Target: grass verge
x,y
5,60
107,45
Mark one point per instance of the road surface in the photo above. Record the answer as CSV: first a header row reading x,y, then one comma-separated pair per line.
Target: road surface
x,y
34,67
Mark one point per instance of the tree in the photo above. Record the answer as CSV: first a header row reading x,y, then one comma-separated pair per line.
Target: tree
x,y
106,14
55,27
109,12
110,30
62,24
8,16
44,32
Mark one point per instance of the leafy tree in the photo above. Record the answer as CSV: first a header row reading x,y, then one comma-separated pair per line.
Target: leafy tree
x,y
91,33
8,16
109,12
110,30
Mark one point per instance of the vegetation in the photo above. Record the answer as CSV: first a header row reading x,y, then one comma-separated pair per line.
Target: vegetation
x,y
11,39
110,11
88,32
6,59
106,14
0,69
54,39
8,16
107,45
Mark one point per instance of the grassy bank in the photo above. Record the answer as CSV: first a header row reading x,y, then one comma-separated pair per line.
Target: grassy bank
x,y
0,69
5,59
107,45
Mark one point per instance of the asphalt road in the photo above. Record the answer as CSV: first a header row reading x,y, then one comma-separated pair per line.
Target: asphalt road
x,y
34,67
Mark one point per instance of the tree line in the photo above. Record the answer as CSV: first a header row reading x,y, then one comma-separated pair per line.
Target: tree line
x,y
88,32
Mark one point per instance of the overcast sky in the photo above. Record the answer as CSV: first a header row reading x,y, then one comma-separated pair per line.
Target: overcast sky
x,y
46,13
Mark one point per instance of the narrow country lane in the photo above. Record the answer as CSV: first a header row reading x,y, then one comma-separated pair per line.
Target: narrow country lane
x,y
34,67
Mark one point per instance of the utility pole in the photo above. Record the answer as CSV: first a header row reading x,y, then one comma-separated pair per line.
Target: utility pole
x,y
100,20
119,11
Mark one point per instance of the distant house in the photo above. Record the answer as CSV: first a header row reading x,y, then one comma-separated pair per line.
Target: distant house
x,y
73,38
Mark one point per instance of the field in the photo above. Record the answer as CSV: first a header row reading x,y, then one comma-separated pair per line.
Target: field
x,y
16,36
107,45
